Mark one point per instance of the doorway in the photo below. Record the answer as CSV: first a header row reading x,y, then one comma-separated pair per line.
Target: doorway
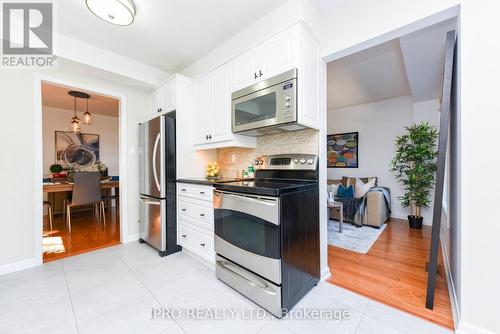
x,y
94,149
373,95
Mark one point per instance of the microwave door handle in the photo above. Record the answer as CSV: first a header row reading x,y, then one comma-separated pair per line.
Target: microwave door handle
x,y
155,173
259,285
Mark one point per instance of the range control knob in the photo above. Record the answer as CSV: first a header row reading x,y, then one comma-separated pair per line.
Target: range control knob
x,y
287,98
287,105
310,161
302,161
256,162
296,161
261,162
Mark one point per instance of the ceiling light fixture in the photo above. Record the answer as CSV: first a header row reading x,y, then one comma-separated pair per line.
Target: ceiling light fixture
x,y
75,120
119,12
87,115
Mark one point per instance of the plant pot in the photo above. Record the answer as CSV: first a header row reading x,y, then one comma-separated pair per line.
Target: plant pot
x,y
415,222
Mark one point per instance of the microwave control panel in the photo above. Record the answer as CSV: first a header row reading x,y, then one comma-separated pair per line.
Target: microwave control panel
x,y
288,101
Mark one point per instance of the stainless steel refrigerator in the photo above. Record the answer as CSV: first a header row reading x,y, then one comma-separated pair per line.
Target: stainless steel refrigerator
x,y
157,182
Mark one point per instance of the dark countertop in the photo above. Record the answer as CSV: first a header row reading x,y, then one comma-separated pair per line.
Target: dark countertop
x,y
205,181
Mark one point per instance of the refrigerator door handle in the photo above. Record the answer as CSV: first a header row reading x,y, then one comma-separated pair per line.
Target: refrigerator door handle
x,y
147,200
155,174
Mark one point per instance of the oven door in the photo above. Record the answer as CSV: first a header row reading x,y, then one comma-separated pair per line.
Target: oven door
x,y
247,232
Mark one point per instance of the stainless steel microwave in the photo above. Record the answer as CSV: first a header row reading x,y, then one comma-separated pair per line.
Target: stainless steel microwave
x,y
267,107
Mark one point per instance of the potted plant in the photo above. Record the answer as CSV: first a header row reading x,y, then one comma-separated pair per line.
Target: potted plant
x,y
56,171
414,165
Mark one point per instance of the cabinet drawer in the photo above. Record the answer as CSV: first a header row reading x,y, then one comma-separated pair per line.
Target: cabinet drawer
x,y
196,241
190,209
195,191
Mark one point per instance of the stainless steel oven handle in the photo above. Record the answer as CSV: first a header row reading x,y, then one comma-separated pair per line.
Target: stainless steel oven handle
x,y
260,285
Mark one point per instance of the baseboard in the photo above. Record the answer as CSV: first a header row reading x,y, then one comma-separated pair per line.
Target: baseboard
x,y
210,265
325,273
17,266
466,328
455,308
131,238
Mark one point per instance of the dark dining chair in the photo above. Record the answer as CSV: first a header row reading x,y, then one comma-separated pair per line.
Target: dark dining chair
x,y
86,191
50,213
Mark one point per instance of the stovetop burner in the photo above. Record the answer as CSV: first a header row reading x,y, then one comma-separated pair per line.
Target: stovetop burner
x,y
279,174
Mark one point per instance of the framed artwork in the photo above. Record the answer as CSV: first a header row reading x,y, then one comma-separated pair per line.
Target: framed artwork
x,y
76,148
342,150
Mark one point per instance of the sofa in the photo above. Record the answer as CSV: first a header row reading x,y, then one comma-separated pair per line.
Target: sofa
x,y
376,211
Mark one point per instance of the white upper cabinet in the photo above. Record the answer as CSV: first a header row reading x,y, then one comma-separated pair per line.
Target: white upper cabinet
x,y
274,56
244,69
278,54
202,109
164,98
221,104
212,111
169,95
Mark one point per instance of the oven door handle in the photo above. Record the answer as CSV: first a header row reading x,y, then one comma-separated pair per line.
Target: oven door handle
x,y
266,208
259,285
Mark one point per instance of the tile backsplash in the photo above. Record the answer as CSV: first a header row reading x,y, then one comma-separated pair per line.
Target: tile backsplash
x,y
303,141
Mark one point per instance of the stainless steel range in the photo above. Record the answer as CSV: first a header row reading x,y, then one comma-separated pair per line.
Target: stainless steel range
x,y
267,232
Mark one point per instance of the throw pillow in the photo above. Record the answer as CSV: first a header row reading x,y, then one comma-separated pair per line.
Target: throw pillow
x,y
344,192
332,189
362,188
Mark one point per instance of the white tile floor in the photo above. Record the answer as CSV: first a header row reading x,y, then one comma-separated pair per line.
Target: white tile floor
x,y
114,290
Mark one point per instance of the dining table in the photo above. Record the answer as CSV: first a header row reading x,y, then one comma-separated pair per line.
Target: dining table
x,y
54,187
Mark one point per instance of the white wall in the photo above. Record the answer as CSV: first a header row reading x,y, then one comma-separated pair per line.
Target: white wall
x,y
55,119
379,124
476,235
17,206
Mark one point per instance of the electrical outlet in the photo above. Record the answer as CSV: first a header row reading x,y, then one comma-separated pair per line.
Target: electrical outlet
x,y
233,157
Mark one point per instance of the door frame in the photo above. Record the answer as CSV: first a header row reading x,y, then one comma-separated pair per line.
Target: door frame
x,y
38,80
444,15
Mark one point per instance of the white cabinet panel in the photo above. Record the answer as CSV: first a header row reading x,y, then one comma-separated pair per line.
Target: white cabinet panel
x,y
168,92
221,105
244,69
278,54
202,109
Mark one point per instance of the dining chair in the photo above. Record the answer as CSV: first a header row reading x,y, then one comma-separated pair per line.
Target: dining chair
x,y
86,191
50,212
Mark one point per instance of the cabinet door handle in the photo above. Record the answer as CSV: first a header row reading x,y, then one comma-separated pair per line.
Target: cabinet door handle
x,y
160,109
260,73
183,235
202,193
202,245
183,189
209,136
255,75
206,137
183,209
202,214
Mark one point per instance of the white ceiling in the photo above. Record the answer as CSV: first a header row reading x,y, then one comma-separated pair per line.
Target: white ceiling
x,y
56,96
167,34
423,54
368,76
411,65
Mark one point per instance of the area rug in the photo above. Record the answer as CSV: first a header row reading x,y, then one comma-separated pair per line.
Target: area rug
x,y
356,239
53,245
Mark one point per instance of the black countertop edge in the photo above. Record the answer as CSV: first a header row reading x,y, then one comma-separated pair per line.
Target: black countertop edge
x,y
204,181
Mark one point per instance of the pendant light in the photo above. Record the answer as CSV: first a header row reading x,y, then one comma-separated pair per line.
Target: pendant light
x,y
75,120
87,115
118,12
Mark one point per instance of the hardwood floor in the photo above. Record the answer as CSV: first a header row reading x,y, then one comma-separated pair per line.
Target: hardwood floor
x,y
86,234
393,272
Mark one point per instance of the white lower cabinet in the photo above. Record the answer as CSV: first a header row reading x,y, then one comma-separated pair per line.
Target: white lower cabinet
x,y
195,220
